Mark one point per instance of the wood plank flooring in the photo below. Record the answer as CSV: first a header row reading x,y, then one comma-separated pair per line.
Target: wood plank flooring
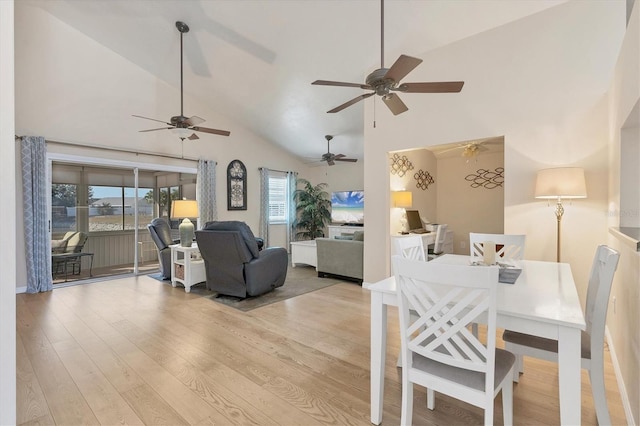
x,y
137,351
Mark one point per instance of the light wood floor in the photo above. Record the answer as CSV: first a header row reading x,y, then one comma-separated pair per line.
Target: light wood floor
x,y
137,351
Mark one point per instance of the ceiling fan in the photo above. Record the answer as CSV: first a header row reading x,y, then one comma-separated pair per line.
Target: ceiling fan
x,y
331,158
471,149
383,81
179,122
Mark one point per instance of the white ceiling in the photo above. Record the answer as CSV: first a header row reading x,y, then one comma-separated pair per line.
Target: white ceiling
x,y
254,60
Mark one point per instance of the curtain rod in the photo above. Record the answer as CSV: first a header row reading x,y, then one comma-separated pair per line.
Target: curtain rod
x,y
129,151
274,170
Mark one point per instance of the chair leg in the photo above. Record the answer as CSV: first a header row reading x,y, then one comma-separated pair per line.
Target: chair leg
x,y
488,413
507,401
518,366
431,399
406,415
596,376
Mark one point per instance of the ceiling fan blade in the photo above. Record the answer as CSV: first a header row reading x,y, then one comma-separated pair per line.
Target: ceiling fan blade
x,y
401,67
341,84
351,102
193,137
194,121
440,87
338,156
213,131
152,119
394,103
160,128
350,160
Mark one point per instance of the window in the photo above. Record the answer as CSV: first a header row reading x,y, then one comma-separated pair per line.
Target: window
x,y
278,199
63,208
111,208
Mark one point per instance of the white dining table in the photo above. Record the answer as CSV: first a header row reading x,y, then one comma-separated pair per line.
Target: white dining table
x,y
542,302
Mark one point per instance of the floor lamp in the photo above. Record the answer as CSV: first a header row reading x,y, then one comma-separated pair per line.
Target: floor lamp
x,y
560,183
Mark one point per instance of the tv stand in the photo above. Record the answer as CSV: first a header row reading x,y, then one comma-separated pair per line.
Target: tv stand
x,y
345,229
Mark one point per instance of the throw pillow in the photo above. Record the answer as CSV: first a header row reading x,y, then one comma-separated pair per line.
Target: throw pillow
x,y
358,236
343,237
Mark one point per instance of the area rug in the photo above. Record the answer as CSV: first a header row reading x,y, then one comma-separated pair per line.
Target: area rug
x,y
300,280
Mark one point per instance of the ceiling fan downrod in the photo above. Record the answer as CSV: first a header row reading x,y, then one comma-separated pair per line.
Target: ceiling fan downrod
x,y
381,33
183,28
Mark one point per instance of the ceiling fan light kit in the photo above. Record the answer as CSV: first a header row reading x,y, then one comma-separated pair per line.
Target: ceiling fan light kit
x,y
179,123
384,81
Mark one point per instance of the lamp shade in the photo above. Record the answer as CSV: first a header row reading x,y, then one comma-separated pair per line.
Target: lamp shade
x,y
402,199
184,208
561,182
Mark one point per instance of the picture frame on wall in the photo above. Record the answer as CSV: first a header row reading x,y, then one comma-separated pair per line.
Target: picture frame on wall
x,y
236,186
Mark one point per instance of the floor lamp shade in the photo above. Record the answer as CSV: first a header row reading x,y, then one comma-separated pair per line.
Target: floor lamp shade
x,y
185,209
559,183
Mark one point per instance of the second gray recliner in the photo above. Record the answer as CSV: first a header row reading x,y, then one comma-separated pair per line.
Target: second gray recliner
x,y
234,265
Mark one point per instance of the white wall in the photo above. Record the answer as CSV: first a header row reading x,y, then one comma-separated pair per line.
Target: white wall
x,y
72,89
623,319
467,209
545,92
8,219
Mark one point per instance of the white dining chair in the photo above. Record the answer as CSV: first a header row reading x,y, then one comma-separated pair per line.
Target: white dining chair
x,y
508,246
438,351
603,269
438,247
410,247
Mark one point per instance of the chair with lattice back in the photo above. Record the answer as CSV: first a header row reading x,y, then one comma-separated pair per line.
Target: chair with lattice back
x,y
438,246
438,351
509,247
603,268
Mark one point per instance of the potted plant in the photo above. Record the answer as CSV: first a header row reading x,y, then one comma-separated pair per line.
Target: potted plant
x,y
313,209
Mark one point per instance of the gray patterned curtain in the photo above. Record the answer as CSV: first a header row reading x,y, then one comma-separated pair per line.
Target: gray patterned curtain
x,y
264,205
292,180
33,153
206,192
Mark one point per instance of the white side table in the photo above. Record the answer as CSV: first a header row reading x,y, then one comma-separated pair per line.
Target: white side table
x,y
304,252
187,267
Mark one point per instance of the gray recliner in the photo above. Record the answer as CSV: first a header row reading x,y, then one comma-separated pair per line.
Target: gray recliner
x,y
161,236
234,266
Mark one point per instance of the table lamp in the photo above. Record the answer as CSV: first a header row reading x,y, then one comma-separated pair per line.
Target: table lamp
x,y
185,209
402,200
559,183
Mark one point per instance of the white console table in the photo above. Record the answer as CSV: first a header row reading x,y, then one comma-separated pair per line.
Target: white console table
x,y
187,267
338,230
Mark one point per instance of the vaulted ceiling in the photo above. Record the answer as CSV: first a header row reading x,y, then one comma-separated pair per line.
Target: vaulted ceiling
x,y
255,59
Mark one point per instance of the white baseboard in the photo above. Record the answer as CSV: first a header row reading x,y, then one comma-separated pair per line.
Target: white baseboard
x,y
621,388
21,289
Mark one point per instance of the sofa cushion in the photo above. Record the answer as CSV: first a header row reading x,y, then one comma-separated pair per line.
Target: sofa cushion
x,y
358,236
343,237
242,228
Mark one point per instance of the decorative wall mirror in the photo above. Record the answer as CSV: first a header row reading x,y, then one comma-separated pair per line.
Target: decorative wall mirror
x,y
236,186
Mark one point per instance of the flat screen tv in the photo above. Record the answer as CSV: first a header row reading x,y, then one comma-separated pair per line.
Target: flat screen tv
x,y
347,207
